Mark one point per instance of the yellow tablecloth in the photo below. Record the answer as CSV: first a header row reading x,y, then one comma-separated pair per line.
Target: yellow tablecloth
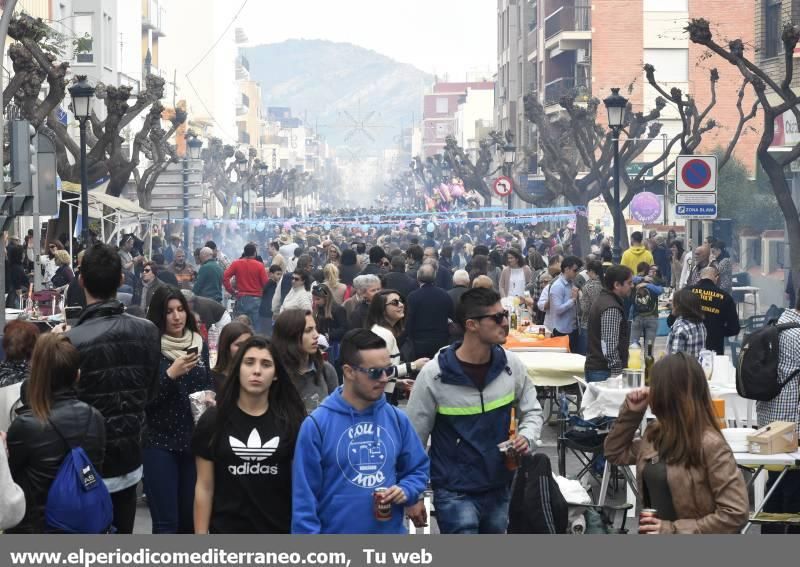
x,y
555,369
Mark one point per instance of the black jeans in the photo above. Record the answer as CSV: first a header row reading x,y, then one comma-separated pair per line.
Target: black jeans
x,y
786,499
124,503
574,336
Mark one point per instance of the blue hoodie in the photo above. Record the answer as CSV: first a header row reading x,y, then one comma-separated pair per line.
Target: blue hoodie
x,y
342,455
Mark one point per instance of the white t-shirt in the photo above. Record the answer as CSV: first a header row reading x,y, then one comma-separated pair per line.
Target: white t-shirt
x,y
516,283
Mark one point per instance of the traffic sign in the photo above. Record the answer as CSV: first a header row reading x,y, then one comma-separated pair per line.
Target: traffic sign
x,y
503,186
696,174
696,212
696,199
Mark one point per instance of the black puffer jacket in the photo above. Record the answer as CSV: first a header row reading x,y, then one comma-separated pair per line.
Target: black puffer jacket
x,y
36,450
119,375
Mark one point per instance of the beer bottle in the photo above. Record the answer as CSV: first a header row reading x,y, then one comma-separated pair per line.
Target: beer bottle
x,y
512,459
513,320
648,364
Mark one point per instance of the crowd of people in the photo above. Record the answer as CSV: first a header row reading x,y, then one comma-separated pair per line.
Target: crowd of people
x,y
341,361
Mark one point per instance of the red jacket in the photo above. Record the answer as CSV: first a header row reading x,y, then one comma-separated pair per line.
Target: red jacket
x,y
250,274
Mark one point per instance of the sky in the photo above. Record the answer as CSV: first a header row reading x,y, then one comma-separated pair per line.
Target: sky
x,y
443,37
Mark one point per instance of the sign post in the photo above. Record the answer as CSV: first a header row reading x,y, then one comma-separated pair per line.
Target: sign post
x,y
696,187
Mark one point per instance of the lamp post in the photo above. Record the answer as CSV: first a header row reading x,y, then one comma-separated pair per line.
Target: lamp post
x,y
509,158
193,147
616,105
241,167
82,94
262,175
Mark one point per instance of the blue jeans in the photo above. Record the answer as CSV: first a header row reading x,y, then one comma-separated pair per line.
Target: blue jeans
x,y
647,326
169,480
248,305
462,513
583,341
597,375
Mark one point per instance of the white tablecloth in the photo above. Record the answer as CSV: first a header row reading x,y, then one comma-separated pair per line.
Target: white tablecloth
x,y
554,369
780,459
600,400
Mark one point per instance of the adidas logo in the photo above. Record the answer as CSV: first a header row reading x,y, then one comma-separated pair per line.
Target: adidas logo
x,y
252,453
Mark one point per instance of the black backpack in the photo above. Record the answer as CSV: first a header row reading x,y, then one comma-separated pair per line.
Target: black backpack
x,y
757,368
644,301
537,505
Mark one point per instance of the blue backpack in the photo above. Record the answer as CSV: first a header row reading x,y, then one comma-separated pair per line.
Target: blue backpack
x,y
78,501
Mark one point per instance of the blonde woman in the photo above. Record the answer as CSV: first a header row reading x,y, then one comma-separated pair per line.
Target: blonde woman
x,y
64,273
334,255
337,288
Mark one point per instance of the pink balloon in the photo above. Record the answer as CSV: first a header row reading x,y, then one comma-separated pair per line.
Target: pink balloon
x,y
197,222
456,190
401,225
287,225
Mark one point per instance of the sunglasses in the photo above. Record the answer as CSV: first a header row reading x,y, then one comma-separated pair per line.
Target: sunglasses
x,y
375,373
395,302
385,264
498,317
146,271
297,279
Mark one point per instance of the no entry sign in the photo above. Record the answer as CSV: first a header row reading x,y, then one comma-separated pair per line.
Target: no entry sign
x,y
696,174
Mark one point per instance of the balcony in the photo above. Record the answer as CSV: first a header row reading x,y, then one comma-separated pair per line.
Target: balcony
x,y
244,137
568,27
242,68
243,106
566,86
154,17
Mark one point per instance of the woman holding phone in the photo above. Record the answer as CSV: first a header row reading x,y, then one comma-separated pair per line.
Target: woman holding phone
x,y
169,469
241,489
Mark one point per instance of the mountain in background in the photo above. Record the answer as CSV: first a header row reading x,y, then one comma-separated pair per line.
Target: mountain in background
x,y
334,86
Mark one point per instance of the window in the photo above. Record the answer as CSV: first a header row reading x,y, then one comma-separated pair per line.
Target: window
x,y
533,15
442,130
108,42
672,65
772,28
666,5
442,105
82,26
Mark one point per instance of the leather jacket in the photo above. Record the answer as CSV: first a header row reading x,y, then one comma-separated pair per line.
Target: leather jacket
x,y
119,375
711,499
36,450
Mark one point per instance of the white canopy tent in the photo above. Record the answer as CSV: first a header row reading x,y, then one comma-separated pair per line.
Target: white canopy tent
x,y
117,210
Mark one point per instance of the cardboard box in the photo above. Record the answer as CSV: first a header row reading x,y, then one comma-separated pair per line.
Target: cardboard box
x,y
777,437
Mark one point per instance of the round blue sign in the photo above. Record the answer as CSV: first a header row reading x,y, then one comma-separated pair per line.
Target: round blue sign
x,y
696,174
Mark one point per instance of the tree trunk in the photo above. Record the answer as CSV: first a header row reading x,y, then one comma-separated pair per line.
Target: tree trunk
x,y
783,193
580,240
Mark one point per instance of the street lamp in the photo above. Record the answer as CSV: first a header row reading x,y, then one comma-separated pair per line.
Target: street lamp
x,y
509,159
193,147
241,167
82,93
616,105
262,174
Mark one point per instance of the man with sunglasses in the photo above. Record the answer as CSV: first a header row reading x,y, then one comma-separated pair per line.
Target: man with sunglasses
x,y
353,444
462,400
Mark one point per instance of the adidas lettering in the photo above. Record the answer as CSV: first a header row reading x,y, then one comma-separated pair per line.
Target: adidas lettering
x,y
252,468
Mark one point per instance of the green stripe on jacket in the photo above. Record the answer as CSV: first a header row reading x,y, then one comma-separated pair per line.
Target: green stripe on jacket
x,y
475,410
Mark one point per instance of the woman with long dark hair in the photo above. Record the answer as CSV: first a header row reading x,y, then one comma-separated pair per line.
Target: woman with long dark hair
x,y
331,318
386,318
51,421
684,467
295,338
169,469
244,447
233,335
688,333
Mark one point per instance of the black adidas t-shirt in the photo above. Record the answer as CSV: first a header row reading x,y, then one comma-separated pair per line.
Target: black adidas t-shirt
x,y
252,472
